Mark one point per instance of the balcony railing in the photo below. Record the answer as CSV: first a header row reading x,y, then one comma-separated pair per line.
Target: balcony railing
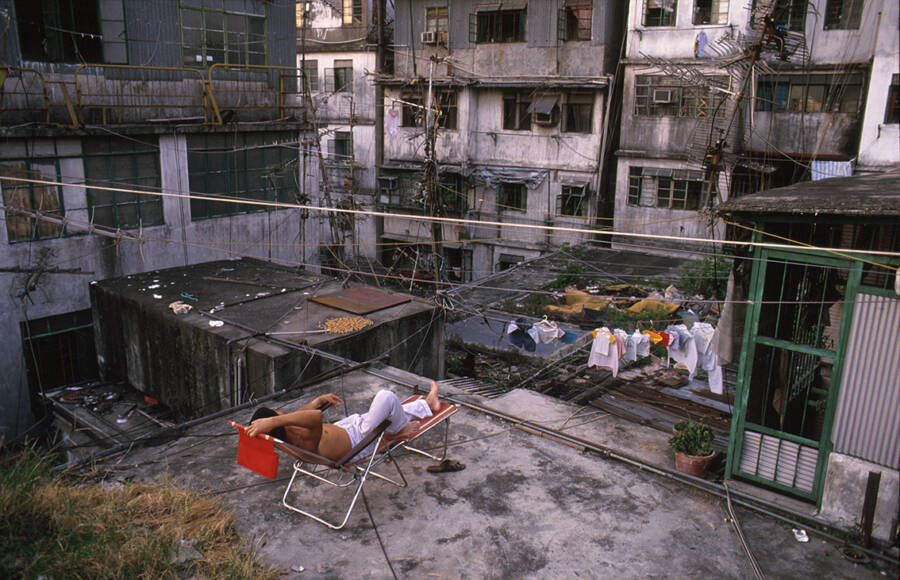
x,y
125,94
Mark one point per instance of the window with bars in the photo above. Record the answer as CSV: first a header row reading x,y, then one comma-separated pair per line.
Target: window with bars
x,y
572,200
663,96
352,12
211,35
32,198
665,188
445,100
516,115
252,166
512,196
310,72
710,12
400,190
810,94
892,108
454,193
575,21
660,12
127,164
843,14
496,26
437,20
60,350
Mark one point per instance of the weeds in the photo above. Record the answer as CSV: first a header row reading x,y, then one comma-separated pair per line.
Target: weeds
x,y
708,277
53,526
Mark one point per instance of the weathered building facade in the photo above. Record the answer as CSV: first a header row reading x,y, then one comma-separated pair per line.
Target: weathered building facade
x,y
726,97
128,129
516,133
336,47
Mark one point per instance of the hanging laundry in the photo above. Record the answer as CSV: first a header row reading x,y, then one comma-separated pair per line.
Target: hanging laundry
x,y
630,348
683,348
642,343
606,350
546,331
517,332
704,333
392,121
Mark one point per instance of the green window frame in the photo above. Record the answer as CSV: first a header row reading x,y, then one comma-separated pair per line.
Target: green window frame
x,y
32,197
252,166
123,163
512,196
516,116
212,35
678,189
710,12
660,12
790,14
817,93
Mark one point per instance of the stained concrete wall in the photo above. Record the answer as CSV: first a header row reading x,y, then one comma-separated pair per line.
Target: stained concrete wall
x,y
179,241
878,141
845,490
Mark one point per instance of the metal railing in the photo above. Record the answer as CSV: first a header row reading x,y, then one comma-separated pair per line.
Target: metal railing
x,y
108,94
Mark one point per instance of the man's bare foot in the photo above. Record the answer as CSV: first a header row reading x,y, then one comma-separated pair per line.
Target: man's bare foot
x,y
432,398
410,428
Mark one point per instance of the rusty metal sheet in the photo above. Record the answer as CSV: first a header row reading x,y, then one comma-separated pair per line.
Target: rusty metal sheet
x,y
361,300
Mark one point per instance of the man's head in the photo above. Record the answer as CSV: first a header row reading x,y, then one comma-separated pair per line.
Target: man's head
x,y
262,413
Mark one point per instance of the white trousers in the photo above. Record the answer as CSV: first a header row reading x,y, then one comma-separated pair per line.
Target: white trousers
x,y
385,405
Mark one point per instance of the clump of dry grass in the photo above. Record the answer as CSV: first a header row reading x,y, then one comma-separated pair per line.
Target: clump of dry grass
x,y
51,525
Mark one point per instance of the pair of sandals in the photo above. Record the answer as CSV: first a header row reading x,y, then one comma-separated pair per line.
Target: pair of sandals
x,y
445,466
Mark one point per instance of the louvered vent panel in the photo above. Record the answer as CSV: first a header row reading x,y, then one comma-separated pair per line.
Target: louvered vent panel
x,y
785,462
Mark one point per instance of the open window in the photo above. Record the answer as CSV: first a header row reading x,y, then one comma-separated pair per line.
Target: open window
x,y
575,21
544,110
572,200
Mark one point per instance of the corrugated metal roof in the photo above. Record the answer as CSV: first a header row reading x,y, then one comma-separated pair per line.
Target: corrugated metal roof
x,y
862,195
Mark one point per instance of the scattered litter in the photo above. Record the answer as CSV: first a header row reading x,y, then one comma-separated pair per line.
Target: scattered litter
x,y
297,569
216,323
179,307
217,307
801,535
158,296
284,289
153,286
261,294
189,296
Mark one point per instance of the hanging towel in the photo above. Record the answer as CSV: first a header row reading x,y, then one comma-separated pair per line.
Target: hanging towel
x,y
685,351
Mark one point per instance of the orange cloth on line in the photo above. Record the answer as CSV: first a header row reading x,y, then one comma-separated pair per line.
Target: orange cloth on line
x,y
655,337
652,305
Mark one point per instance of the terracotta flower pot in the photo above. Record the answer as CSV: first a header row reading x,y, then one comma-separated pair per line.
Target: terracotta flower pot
x,y
692,464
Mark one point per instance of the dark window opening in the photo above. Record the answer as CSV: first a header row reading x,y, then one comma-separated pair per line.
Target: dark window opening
x,y
577,114
660,12
662,96
342,147
437,19
790,14
254,166
310,72
710,11
843,14
59,31
512,196
680,189
572,201
508,261
59,350
576,19
516,116
343,76
453,193
127,164
892,108
499,26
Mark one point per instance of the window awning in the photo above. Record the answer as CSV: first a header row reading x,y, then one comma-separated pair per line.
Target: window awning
x,y
543,104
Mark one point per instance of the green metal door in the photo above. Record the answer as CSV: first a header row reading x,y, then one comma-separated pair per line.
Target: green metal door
x,y
790,368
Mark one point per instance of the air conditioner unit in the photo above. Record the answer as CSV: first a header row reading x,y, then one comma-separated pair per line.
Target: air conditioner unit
x,y
663,95
545,119
428,37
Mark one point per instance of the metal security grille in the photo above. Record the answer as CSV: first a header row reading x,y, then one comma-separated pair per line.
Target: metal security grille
x,y
793,348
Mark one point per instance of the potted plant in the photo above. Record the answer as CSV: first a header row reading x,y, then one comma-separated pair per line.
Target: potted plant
x,y
692,444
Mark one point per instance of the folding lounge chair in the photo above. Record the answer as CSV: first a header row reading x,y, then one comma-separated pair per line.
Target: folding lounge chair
x,y
259,455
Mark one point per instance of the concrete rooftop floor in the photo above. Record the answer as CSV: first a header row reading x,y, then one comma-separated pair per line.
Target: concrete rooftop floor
x,y
526,506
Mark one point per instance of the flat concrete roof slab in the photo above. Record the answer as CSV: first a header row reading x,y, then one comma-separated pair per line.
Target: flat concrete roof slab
x,y
524,507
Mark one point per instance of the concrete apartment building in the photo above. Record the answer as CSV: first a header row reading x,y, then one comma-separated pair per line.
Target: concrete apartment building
x,y
523,93
194,99
336,47
818,98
